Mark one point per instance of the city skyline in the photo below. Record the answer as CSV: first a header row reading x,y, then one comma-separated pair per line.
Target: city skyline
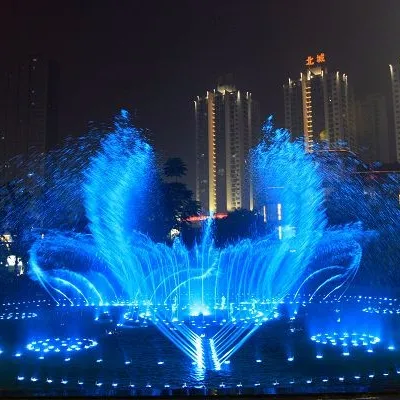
x,y
200,199
153,59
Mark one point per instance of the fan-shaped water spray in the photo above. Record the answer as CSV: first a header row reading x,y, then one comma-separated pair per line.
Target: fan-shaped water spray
x,y
230,289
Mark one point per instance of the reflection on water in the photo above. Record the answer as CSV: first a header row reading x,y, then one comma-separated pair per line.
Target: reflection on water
x,y
301,353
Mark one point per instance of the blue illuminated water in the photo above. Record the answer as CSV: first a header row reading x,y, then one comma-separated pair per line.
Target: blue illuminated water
x,y
287,354
167,284
239,316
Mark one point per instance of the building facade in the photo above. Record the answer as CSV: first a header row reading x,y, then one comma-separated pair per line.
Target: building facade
x,y
372,129
395,80
227,125
293,97
323,101
28,111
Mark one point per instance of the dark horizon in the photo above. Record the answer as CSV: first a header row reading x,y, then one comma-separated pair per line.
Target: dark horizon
x,y
155,58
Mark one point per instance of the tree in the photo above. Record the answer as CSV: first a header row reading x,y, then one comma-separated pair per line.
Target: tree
x,y
179,202
171,204
175,167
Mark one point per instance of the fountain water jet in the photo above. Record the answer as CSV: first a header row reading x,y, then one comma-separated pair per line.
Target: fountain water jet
x,y
176,288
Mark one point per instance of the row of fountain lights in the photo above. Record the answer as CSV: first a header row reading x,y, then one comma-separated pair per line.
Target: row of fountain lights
x,y
17,315
380,310
259,318
122,303
341,379
346,340
56,345
70,345
376,309
30,315
63,346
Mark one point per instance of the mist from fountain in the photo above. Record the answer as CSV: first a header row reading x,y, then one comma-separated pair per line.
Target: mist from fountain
x,y
238,286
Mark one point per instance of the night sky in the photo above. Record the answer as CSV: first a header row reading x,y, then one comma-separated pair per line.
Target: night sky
x,y
156,56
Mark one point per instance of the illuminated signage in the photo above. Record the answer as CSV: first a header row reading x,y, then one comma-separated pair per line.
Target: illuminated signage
x,y
318,59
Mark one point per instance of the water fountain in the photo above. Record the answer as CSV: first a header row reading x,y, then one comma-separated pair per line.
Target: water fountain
x,y
206,300
168,284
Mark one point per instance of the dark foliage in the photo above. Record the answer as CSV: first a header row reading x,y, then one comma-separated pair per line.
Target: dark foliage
x,y
175,168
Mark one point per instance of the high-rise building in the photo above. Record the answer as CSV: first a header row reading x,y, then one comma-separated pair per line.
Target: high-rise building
x,y
293,96
320,106
372,129
395,79
227,126
28,111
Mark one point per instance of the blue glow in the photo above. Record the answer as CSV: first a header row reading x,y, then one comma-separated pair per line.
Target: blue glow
x,y
172,285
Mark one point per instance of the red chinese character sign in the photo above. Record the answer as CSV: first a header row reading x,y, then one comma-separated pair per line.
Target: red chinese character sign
x,y
321,58
309,61
318,59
